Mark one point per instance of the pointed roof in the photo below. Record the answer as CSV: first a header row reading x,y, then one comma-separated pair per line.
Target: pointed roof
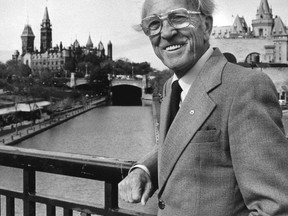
x,y
279,27
240,25
89,43
27,32
46,15
264,7
240,21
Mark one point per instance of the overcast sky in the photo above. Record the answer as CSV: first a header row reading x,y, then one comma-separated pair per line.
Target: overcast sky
x,y
105,20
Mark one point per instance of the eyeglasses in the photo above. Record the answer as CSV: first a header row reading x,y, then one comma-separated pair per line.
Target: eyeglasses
x,y
178,18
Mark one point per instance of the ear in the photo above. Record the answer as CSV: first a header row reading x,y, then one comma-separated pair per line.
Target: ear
x,y
208,25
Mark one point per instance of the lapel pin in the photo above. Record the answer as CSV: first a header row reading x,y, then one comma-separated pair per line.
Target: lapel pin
x,y
192,112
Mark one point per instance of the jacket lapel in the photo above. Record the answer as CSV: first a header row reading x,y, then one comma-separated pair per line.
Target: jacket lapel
x,y
195,109
165,112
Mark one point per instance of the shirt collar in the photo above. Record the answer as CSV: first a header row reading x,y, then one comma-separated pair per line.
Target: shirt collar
x,y
187,80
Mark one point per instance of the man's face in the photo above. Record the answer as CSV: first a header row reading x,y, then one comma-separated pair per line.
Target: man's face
x,y
178,49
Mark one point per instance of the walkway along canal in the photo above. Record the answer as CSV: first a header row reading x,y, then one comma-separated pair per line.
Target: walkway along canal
x,y
45,124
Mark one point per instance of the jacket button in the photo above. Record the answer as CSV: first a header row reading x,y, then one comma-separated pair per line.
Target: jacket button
x,y
161,204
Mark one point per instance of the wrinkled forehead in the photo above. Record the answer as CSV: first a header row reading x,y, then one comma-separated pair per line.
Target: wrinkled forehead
x,y
162,6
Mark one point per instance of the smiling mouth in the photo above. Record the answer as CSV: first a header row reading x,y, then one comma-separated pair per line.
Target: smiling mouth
x,y
173,47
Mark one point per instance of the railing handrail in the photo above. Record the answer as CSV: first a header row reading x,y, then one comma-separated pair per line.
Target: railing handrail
x,y
109,170
89,165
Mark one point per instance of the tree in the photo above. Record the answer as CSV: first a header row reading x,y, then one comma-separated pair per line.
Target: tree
x,y
142,68
124,67
46,77
95,74
158,82
3,71
70,65
107,67
92,58
16,68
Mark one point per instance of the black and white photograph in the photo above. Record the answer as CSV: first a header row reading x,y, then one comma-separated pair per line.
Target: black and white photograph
x,y
143,107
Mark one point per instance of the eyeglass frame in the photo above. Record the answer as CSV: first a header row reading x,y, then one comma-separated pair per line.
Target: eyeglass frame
x,y
165,16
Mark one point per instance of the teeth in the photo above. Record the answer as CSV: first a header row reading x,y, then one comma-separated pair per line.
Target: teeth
x,y
173,47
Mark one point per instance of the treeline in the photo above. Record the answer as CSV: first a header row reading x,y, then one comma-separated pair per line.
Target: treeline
x,y
18,77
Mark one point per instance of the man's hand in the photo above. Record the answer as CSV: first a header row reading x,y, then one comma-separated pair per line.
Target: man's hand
x,y
136,187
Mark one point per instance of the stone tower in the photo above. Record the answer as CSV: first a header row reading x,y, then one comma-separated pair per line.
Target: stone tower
x,y
109,48
46,33
280,39
27,38
101,50
263,24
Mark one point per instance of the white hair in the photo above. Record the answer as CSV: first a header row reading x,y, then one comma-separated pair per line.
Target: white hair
x,y
206,7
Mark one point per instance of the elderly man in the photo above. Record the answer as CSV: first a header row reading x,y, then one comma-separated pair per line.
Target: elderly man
x,y
225,152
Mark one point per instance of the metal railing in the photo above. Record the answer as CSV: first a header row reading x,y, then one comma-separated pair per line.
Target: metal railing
x,y
111,171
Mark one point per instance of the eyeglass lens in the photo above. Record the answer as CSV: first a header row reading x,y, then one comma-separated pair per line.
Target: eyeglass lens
x,y
177,19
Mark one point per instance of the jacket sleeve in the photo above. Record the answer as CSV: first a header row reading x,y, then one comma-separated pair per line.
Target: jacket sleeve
x,y
151,162
259,148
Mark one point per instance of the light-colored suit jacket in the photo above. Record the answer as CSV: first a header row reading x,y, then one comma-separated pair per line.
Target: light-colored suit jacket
x,y
225,154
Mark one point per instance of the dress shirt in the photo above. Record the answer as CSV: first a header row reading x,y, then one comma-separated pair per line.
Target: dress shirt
x,y
185,82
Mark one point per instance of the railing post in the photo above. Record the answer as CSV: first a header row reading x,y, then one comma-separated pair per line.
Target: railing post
x,y
29,188
111,196
67,212
10,206
50,210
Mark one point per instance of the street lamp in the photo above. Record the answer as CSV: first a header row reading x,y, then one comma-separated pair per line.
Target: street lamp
x,y
16,106
86,73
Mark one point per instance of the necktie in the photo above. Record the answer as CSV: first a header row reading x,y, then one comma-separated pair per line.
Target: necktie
x,y
175,100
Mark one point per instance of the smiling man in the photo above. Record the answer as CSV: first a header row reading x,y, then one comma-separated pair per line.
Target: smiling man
x,y
224,152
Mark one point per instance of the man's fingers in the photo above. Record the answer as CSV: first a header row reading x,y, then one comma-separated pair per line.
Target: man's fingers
x,y
146,193
124,190
136,193
129,190
134,186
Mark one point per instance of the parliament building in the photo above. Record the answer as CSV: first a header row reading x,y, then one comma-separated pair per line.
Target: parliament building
x,y
263,26
53,58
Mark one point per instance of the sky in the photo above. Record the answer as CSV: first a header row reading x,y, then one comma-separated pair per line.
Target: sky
x,y
104,20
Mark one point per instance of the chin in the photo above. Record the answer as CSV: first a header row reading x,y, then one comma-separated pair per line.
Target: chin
x,y
178,65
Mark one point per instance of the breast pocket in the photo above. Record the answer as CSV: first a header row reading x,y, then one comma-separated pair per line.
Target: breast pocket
x,y
206,136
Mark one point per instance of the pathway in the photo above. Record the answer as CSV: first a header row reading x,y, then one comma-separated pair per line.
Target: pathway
x,y
47,123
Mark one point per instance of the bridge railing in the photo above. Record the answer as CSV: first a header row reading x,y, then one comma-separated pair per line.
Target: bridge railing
x,y
111,171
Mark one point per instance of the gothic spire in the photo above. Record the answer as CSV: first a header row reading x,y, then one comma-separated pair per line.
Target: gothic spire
x,y
46,16
46,33
89,43
264,7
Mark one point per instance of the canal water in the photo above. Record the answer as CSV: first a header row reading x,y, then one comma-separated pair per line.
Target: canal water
x,y
109,131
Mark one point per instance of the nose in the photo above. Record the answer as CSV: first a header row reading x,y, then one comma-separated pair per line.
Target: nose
x,y
167,30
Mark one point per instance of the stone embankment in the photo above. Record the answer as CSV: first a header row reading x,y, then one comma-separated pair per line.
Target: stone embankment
x,y
45,124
